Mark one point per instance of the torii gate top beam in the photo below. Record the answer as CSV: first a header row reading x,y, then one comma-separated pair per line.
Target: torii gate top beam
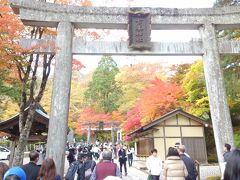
x,y
49,14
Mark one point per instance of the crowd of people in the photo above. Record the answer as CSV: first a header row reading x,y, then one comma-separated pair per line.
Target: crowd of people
x,y
85,167
91,162
179,165
30,171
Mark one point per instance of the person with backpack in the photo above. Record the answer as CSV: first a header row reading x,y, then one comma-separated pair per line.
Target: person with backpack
x,y
106,168
89,166
76,168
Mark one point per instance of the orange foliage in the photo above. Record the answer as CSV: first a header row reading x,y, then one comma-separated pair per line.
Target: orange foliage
x,y
118,116
159,98
77,65
90,116
10,33
133,120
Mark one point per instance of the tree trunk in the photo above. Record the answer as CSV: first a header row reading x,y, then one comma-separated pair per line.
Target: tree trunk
x,y
13,147
24,135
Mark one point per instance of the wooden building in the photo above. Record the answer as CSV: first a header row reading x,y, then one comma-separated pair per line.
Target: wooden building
x,y
38,132
174,127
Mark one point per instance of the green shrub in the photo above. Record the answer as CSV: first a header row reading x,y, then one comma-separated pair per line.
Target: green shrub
x,y
237,139
214,178
4,142
212,158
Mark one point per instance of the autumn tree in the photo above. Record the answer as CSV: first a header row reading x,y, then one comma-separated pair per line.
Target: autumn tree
x,y
132,79
196,93
159,98
10,28
178,72
103,91
133,120
32,85
27,66
78,86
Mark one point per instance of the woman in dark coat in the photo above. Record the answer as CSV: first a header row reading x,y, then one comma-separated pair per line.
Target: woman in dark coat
x,y
232,170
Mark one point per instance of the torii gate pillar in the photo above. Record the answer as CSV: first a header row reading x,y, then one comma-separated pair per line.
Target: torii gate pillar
x,y
219,109
57,132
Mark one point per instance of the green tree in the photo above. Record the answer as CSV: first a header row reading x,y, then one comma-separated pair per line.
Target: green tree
x,y
9,86
9,94
103,92
231,72
223,2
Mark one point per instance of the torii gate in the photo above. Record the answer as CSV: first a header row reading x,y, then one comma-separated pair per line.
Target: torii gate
x,y
66,18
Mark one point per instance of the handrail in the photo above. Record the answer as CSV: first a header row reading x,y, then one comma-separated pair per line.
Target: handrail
x,y
197,164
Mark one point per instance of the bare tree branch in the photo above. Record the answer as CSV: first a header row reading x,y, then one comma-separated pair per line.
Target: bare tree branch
x,y
19,73
41,30
46,71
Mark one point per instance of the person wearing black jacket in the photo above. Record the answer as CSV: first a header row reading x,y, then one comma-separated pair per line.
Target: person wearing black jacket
x,y
32,169
77,167
122,159
89,166
189,163
71,156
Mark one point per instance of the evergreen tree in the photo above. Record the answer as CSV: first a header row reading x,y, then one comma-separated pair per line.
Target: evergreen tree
x,y
103,92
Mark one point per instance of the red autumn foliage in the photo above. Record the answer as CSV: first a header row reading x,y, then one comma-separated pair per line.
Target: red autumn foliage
x,y
133,120
77,65
157,99
90,115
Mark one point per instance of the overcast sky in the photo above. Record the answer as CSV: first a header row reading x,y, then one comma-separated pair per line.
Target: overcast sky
x,y
167,36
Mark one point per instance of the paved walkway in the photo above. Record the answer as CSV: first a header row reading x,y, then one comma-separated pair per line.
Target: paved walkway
x,y
135,174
